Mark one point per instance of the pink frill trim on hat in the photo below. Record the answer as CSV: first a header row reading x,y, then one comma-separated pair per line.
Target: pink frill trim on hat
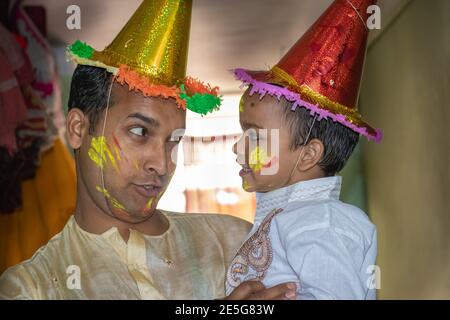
x,y
263,88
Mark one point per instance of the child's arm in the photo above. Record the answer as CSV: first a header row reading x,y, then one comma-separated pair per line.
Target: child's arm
x,y
326,263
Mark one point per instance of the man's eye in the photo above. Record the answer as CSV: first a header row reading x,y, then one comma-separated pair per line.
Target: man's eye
x,y
139,131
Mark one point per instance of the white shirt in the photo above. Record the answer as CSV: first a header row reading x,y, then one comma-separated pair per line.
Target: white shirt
x,y
303,233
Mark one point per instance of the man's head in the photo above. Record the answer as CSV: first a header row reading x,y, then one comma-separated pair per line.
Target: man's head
x,y
123,152
306,148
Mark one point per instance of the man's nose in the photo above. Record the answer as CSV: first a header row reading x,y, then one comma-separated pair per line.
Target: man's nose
x,y
156,161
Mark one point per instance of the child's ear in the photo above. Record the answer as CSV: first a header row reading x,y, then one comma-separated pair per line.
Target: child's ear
x,y
77,125
312,154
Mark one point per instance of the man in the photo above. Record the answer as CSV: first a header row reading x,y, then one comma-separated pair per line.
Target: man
x,y
125,104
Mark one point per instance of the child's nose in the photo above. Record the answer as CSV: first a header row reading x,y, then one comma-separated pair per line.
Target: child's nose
x,y
239,151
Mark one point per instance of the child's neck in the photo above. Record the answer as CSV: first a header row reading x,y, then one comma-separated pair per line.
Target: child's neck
x,y
314,173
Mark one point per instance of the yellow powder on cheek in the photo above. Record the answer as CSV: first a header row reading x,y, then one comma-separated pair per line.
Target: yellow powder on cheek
x,y
98,151
159,195
149,203
103,190
117,153
95,156
258,159
116,204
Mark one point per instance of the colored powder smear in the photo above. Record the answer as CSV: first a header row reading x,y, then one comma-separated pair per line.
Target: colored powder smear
x,y
117,153
116,204
99,152
117,148
149,203
241,104
258,159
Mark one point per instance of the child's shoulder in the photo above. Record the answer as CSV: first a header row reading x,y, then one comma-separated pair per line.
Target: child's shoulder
x,y
315,217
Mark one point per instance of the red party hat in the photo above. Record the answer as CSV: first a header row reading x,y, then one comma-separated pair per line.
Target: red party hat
x,y
322,71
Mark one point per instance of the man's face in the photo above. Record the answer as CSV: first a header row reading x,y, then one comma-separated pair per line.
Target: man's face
x,y
267,160
127,164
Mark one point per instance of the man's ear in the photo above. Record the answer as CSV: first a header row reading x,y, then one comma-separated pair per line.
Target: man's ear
x,y
314,151
77,125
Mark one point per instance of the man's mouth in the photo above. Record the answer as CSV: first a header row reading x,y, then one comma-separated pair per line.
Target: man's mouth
x,y
148,190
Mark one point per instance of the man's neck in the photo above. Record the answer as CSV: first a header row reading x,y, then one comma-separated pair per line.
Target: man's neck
x,y
93,219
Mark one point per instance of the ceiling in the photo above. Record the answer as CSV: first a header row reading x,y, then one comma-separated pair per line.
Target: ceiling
x,y
224,34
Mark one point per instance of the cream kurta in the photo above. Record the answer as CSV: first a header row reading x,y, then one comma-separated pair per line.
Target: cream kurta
x,y
188,261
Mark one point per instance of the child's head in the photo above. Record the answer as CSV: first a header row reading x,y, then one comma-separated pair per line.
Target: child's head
x,y
307,148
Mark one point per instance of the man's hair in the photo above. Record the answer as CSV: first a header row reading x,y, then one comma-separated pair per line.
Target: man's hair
x,y
89,92
338,140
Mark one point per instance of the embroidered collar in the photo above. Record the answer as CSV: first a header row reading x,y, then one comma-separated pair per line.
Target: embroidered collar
x,y
323,188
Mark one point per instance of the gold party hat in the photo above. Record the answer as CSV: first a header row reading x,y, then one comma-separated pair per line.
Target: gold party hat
x,y
150,55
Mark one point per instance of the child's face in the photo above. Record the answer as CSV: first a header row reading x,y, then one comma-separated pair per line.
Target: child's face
x,y
263,150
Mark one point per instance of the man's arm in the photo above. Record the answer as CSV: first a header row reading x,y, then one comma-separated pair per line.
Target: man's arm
x,y
17,284
255,290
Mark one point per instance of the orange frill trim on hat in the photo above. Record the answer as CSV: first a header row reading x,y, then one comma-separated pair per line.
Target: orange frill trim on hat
x,y
137,82
196,86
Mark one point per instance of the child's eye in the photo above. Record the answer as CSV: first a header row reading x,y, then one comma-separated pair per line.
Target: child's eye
x,y
139,131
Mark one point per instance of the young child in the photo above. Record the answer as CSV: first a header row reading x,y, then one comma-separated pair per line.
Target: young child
x,y
302,233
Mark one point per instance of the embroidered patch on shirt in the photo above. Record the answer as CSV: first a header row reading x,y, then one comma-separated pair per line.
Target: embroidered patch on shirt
x,y
254,257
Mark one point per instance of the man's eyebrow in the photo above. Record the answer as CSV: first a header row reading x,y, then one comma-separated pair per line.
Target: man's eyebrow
x,y
148,120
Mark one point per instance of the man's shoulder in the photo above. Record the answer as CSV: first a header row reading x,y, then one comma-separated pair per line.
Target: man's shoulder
x,y
48,253
216,221
20,280
41,255
225,228
223,232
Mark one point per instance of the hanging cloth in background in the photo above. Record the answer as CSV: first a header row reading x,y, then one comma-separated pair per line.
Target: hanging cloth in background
x,y
44,95
15,72
48,202
38,180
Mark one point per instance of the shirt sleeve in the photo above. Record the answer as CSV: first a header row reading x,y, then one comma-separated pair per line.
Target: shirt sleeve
x,y
17,284
324,265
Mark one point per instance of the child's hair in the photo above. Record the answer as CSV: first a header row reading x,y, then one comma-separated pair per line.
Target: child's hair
x,y
338,140
89,91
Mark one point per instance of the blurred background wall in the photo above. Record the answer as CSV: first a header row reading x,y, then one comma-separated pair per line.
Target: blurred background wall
x,y
406,92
